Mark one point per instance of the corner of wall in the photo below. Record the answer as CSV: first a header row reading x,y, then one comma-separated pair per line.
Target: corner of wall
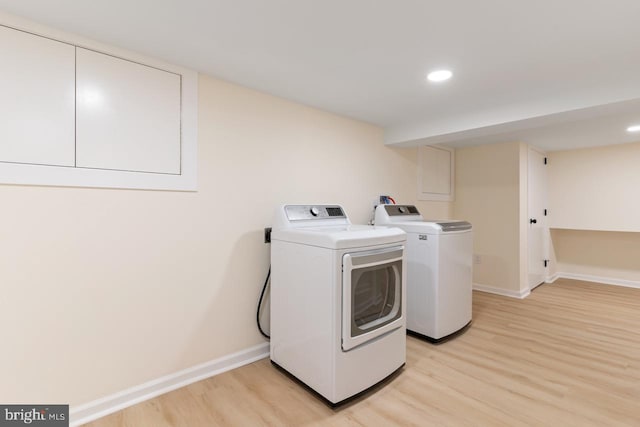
x,y
553,260
489,182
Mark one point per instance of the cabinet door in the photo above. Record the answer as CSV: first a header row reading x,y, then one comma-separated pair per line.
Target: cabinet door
x,y
435,173
128,115
37,87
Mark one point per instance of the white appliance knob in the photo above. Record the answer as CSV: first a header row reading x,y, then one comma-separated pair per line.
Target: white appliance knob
x,y
314,211
402,209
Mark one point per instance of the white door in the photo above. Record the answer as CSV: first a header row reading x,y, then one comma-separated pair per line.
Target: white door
x,y
537,220
128,115
37,105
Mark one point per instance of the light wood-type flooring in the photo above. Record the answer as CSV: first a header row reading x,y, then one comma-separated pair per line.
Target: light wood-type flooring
x,y
567,355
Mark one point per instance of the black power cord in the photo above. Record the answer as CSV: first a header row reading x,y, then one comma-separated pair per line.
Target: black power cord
x,y
264,288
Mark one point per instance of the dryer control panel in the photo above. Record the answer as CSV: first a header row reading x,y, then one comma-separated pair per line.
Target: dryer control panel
x,y
310,212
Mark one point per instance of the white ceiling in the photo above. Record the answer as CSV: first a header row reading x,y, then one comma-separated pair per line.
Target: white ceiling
x,y
518,65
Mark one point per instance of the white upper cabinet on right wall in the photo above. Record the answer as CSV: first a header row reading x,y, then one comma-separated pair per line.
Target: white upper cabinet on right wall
x,y
435,173
128,115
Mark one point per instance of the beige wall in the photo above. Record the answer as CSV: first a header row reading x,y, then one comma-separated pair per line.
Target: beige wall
x,y
106,289
604,254
489,193
593,200
595,188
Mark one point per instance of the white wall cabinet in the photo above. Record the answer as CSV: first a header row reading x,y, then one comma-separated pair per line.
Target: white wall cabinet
x,y
78,113
128,115
37,79
435,173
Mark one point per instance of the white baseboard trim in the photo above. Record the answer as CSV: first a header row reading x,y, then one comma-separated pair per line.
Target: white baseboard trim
x,y
552,278
499,291
87,412
598,279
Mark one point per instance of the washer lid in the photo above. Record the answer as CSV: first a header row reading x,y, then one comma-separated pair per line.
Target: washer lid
x,y
341,237
434,226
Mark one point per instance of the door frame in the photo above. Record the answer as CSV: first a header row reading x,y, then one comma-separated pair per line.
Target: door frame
x,y
540,217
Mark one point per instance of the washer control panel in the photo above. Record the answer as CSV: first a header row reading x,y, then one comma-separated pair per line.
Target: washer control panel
x,y
398,210
310,212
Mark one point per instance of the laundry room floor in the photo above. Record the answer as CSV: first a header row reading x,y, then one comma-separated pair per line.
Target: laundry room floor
x,y
567,355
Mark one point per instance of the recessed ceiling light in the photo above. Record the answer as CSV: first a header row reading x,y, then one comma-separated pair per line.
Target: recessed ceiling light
x,y
439,75
634,128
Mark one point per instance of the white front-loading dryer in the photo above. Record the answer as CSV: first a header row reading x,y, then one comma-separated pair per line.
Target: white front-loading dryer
x,y
338,306
439,271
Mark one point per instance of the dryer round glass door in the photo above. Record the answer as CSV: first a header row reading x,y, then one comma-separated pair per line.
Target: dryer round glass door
x,y
372,295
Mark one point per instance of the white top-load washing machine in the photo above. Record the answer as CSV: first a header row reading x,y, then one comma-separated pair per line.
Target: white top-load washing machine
x,y
337,300
439,271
